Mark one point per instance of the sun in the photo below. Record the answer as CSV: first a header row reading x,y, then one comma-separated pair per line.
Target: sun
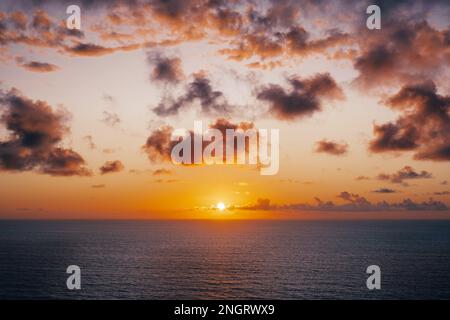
x,y
221,206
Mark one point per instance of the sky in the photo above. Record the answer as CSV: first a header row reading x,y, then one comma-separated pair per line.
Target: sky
x,y
86,115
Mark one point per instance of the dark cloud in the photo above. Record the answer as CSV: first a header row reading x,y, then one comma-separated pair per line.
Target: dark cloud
x,y
159,172
353,198
33,123
174,8
89,49
165,69
94,50
261,45
35,134
331,147
353,203
377,63
423,127
392,9
98,186
166,181
360,178
64,3
228,21
222,125
394,137
384,190
42,31
303,99
251,32
112,166
248,30
212,102
407,173
240,128
442,193
298,43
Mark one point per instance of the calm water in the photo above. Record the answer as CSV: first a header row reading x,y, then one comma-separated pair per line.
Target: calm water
x,y
225,260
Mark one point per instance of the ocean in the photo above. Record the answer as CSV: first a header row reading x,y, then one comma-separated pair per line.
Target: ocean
x,y
224,259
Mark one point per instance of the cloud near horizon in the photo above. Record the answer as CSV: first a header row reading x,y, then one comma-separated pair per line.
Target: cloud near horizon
x,y
165,69
406,173
423,126
387,57
112,167
353,203
279,63
385,190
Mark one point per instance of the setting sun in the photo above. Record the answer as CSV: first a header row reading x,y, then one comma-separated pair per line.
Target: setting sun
x,y
221,206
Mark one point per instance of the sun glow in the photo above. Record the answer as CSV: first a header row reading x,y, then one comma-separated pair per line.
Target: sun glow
x,y
221,206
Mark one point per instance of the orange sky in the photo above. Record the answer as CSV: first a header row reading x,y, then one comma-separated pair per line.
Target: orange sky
x,y
357,109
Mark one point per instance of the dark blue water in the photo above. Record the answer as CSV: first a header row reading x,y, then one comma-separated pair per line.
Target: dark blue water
x,y
225,260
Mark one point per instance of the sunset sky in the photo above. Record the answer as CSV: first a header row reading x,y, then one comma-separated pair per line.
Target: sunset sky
x,y
363,115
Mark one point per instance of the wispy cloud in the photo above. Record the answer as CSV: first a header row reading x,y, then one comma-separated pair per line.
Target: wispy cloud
x,y
353,203
112,166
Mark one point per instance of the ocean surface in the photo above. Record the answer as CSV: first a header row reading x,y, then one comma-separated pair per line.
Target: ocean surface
x,y
225,259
